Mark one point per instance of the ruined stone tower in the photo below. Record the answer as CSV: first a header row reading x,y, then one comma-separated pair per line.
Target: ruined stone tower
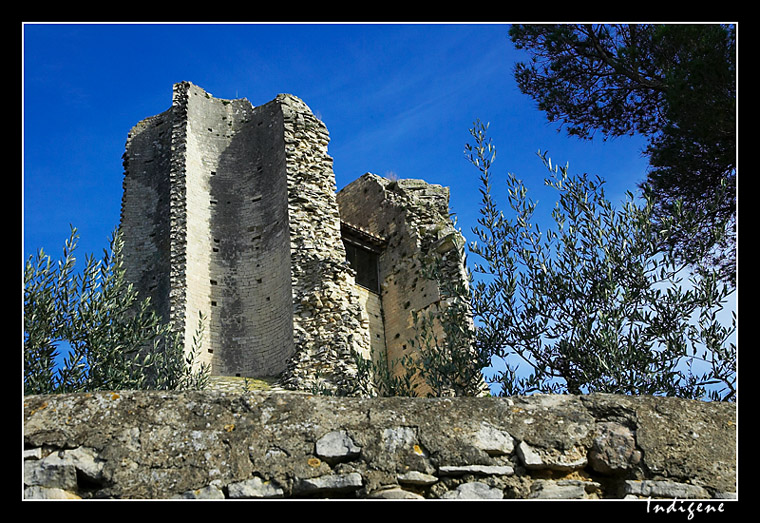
x,y
230,211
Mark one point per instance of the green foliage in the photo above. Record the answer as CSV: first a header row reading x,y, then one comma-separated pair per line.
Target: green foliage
x,y
386,379
446,357
599,304
115,341
672,83
443,356
590,78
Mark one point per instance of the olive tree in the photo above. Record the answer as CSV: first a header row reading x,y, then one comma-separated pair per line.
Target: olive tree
x,y
601,304
115,341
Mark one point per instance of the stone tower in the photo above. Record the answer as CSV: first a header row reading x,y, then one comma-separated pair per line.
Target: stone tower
x,y
230,211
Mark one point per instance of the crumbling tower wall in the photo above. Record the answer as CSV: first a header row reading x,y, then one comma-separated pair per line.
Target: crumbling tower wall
x,y
412,217
229,211
329,325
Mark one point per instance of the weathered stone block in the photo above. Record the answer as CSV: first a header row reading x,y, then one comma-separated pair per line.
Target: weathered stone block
x,y
664,489
493,441
473,490
414,477
563,489
330,484
254,488
614,450
485,470
394,492
337,446
208,492
552,458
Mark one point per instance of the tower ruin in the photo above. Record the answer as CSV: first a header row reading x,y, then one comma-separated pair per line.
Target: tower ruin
x,y
230,210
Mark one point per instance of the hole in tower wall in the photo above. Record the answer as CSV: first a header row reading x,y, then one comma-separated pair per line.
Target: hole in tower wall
x,y
364,262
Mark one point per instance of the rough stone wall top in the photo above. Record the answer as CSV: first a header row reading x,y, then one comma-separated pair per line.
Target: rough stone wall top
x,y
212,444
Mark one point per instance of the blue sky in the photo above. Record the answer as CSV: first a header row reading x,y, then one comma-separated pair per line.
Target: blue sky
x,y
397,99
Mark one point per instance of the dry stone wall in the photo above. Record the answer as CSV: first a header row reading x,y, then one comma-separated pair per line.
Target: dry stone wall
x,y
217,445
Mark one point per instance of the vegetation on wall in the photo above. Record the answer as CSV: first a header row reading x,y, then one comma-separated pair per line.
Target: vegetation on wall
x,y
442,360
447,359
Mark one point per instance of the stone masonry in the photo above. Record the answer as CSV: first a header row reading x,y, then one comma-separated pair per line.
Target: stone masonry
x,y
413,217
230,211
254,445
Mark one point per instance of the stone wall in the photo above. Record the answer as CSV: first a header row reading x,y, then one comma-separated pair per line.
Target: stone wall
x,y
413,218
238,248
205,227
329,324
218,445
146,207
229,211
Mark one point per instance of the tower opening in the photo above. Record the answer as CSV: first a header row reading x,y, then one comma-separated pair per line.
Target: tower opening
x,y
362,253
